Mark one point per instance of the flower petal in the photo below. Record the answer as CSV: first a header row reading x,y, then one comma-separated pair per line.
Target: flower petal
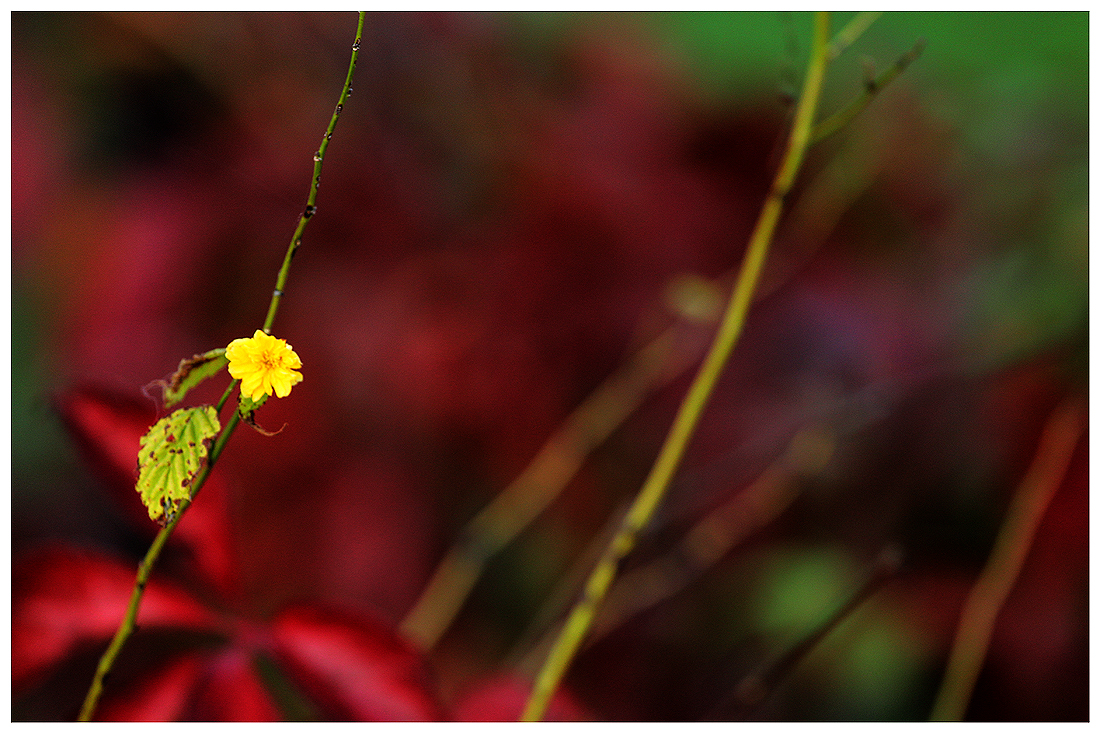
x,y
264,364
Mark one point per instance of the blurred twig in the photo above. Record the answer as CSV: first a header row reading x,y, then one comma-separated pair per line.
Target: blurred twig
x,y
541,482
821,203
979,614
754,690
683,426
871,88
656,364
719,531
856,27
705,543
556,464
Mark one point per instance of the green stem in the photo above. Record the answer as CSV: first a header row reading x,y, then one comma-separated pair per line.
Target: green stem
x,y
856,27
651,493
145,567
871,88
549,472
311,200
225,395
556,464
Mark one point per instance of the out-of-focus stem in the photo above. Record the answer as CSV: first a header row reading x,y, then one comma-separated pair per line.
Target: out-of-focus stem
x,y
683,426
710,539
719,531
754,690
871,88
559,460
987,597
541,482
856,27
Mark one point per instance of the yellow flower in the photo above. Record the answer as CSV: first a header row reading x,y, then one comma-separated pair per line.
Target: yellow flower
x,y
264,364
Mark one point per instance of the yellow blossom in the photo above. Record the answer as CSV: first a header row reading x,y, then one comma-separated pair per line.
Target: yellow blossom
x,y
264,364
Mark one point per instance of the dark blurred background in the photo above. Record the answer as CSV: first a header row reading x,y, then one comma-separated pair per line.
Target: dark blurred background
x,y
504,205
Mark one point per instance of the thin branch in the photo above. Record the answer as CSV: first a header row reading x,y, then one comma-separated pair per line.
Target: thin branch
x,y
663,359
979,614
226,395
754,690
871,88
711,538
651,493
541,482
311,199
145,567
856,27
554,467
717,533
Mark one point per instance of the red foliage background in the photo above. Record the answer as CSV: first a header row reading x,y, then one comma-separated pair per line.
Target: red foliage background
x,y
498,221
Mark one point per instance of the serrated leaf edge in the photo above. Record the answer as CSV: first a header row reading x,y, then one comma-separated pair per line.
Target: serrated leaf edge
x,y
190,373
189,431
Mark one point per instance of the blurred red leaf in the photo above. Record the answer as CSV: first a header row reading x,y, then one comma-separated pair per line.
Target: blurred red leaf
x,y
108,427
502,699
63,598
354,667
229,689
196,687
159,697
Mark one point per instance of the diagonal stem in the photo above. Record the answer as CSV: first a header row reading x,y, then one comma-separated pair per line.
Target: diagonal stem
x,y
541,482
652,366
856,27
979,614
683,426
871,88
311,199
145,567
600,414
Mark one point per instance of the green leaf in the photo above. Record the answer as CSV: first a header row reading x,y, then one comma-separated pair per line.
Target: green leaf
x,y
190,373
172,454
